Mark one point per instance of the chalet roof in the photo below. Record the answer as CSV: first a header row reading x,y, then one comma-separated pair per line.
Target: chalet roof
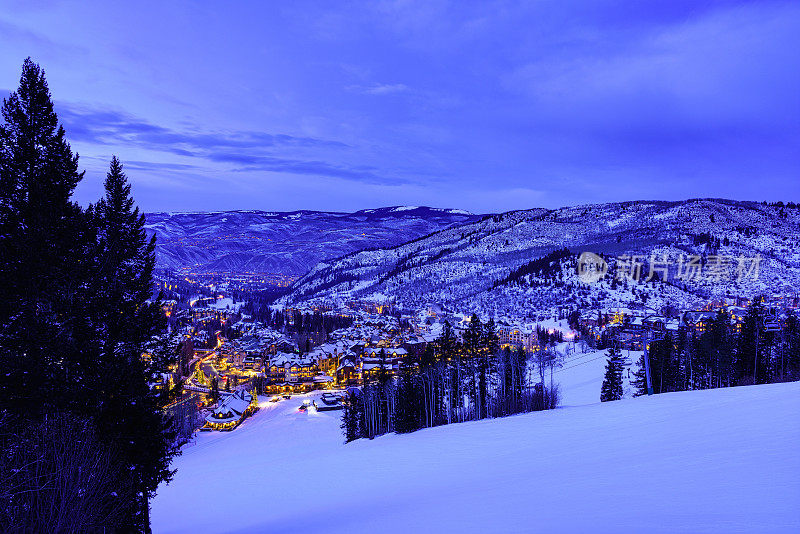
x,y
283,359
231,408
322,378
370,366
346,362
390,351
694,317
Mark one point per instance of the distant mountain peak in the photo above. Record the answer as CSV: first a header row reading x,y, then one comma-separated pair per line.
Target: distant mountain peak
x,y
412,210
286,243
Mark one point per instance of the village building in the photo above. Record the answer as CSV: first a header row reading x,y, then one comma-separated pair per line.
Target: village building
x,y
348,373
697,321
515,336
232,410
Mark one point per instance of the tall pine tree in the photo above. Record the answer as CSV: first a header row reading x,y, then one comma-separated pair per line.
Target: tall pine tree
x,y
408,404
639,381
44,239
352,413
128,410
611,389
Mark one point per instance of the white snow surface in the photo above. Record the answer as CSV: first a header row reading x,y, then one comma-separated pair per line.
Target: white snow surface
x,y
704,461
226,303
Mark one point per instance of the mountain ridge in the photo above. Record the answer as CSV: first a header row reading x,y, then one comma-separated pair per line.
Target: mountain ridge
x,y
285,243
461,264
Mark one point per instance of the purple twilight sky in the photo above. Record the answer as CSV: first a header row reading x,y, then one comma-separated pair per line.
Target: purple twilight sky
x,y
486,106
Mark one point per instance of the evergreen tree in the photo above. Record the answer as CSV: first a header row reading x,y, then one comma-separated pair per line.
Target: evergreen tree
x,y
383,368
487,365
408,404
44,239
611,389
428,357
351,425
215,389
519,378
507,380
447,343
717,348
789,352
751,354
128,411
490,339
76,311
472,348
639,381
665,363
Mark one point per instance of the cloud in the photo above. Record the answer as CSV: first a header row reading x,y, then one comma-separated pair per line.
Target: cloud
x,y
158,166
380,89
715,88
104,126
33,40
246,150
698,70
17,33
359,173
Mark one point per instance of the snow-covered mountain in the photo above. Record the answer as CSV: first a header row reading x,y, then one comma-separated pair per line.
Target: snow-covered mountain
x,y
287,243
468,265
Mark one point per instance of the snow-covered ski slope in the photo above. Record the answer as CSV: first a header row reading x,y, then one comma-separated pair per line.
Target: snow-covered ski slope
x,y
705,461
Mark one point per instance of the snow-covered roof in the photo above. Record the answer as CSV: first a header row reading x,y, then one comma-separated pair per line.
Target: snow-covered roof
x,y
231,408
322,378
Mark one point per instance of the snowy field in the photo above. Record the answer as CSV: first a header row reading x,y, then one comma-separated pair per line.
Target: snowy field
x,y
705,461
226,303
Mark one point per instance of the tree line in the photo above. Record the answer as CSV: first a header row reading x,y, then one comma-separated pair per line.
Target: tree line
x,y
83,442
453,381
724,354
294,321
